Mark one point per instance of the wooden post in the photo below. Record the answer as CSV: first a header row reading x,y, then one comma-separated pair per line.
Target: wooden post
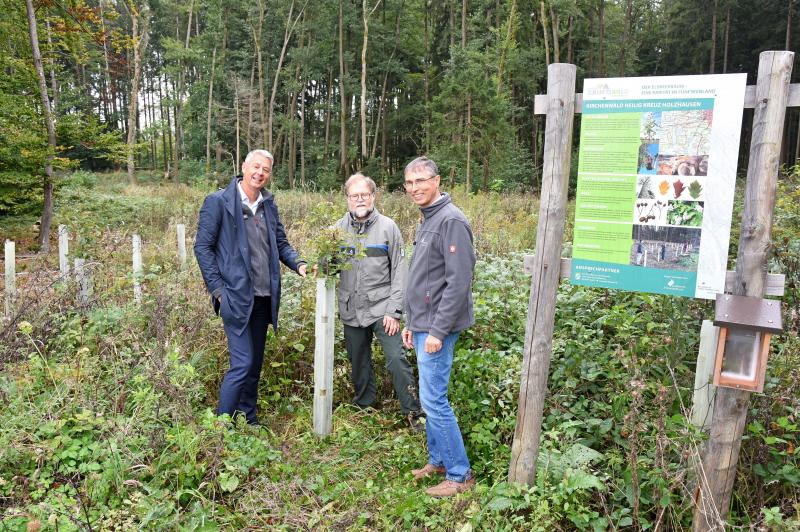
x,y
63,251
11,276
323,356
84,280
137,269
546,268
703,399
718,471
181,230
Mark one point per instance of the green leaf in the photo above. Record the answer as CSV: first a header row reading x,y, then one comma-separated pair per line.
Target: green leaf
x,y
498,504
228,482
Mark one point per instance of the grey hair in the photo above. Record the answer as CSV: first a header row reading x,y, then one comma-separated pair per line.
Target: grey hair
x,y
355,177
422,164
263,153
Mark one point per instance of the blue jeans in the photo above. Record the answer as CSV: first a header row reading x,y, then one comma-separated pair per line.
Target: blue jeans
x,y
445,444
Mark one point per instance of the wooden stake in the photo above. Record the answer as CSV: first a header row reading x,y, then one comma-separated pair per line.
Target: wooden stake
x,y
181,230
11,276
718,471
63,251
703,399
323,357
137,269
84,281
546,268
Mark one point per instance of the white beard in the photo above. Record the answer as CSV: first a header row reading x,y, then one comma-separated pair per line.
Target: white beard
x,y
361,213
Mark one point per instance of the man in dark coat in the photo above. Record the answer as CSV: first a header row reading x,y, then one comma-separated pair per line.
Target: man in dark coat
x,y
240,241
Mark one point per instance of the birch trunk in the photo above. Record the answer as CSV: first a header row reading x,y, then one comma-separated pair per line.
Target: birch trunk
x,y
47,211
139,46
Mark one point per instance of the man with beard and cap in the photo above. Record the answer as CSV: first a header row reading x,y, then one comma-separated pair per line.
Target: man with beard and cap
x,y
438,306
240,241
371,298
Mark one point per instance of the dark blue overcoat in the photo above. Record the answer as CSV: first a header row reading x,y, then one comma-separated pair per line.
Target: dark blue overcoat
x,y
224,258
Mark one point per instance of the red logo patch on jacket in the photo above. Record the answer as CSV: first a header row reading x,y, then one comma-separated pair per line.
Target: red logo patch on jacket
x,y
452,249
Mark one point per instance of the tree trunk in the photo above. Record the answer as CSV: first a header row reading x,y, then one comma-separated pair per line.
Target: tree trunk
x,y
53,81
485,174
303,135
601,21
259,62
238,127
625,38
544,31
363,107
47,211
713,56
382,104
788,25
469,143
570,27
342,98
727,32
327,118
463,23
164,126
208,110
249,129
287,35
139,46
554,18
177,152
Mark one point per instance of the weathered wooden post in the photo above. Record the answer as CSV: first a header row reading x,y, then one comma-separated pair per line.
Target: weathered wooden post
x,y
546,271
84,280
63,251
137,269
703,398
181,232
718,471
323,356
11,276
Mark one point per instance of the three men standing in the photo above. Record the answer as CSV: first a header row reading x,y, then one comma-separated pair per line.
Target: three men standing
x,y
371,298
438,306
240,241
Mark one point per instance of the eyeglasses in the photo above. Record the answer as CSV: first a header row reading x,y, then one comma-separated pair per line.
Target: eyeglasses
x,y
408,185
362,196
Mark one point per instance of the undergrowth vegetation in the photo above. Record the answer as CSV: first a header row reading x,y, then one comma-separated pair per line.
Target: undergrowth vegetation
x,y
106,408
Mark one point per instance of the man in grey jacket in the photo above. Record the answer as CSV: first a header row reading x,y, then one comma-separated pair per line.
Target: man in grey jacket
x,y
371,298
438,306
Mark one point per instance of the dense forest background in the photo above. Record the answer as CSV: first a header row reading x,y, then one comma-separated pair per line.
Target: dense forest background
x,y
187,87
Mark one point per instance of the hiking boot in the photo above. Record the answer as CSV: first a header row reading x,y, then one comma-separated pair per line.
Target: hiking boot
x,y
448,488
416,420
427,471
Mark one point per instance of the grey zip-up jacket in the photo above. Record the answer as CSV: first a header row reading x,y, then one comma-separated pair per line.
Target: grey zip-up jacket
x,y
439,290
373,288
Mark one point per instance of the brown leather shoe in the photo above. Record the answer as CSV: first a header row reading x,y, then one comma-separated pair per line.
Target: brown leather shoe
x,y
427,471
448,488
